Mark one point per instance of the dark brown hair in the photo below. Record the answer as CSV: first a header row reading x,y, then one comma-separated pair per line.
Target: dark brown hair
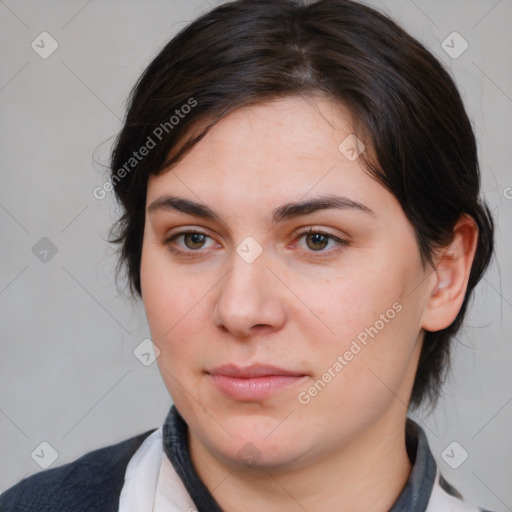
x,y
405,104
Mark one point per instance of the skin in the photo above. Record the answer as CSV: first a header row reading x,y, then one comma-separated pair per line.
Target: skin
x,y
206,306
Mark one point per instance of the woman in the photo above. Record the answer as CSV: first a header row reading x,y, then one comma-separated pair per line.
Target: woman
x,y
302,222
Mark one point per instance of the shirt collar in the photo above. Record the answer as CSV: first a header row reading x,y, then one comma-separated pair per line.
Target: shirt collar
x,y
414,496
416,493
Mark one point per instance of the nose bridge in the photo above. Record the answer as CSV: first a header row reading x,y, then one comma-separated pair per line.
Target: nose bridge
x,y
247,276
247,297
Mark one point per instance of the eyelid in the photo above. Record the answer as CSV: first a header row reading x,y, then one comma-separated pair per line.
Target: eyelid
x,y
315,229
341,242
190,231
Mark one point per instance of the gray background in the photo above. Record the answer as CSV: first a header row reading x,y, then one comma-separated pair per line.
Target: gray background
x,y
68,375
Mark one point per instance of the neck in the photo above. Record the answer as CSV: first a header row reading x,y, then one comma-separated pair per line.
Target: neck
x,y
367,474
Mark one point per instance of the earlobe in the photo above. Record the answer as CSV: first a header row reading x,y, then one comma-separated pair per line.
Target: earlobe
x,y
451,275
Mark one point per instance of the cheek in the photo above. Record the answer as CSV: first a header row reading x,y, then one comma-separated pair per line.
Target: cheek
x,y
171,299
172,303
374,321
346,304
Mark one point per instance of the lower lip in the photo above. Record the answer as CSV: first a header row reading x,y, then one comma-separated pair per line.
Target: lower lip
x,y
256,388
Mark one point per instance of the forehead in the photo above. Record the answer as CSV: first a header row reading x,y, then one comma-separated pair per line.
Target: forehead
x,y
282,149
296,125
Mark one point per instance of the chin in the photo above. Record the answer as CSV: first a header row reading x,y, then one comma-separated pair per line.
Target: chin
x,y
257,443
257,454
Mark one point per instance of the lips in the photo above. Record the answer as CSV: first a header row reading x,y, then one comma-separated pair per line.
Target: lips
x,y
253,383
255,370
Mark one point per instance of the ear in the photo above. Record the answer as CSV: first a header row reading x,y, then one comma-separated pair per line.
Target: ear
x,y
451,274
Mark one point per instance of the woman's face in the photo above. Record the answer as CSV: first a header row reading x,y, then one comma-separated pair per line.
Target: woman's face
x,y
280,346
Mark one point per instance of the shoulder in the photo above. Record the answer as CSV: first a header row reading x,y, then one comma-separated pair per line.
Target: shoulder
x,y
445,497
92,482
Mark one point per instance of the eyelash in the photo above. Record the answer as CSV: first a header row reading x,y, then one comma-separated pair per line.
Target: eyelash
x,y
310,230
322,253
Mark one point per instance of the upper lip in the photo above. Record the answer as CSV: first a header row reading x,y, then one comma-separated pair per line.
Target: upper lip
x,y
252,371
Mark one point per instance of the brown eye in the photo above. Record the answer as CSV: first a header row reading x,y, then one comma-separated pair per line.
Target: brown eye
x,y
187,243
319,242
316,241
194,240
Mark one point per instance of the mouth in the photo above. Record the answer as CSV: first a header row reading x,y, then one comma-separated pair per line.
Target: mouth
x,y
253,383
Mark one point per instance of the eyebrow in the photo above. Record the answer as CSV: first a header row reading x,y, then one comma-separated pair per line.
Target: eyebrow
x,y
279,214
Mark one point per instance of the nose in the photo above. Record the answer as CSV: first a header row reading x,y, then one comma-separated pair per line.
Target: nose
x,y
251,299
